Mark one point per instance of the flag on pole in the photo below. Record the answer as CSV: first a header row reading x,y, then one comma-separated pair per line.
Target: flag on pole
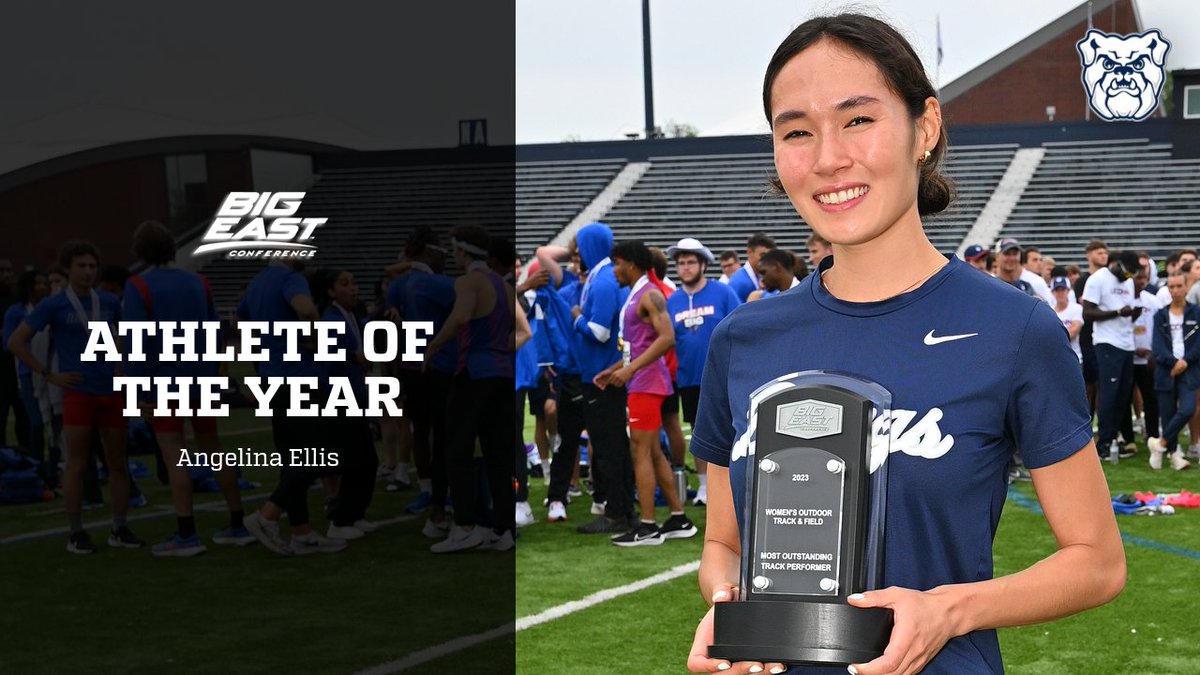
x,y
939,39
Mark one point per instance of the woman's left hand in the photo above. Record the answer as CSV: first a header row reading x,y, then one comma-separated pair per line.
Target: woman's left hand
x,y
923,626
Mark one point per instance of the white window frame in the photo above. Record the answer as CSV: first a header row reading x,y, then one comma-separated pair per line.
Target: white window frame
x,y
1192,90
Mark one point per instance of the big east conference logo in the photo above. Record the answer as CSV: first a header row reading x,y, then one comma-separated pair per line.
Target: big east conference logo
x,y
261,225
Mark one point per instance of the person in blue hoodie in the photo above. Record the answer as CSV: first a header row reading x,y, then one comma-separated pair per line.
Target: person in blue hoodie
x,y
558,346
594,331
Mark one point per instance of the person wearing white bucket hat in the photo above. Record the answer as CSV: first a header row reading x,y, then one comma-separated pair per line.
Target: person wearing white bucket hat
x,y
695,308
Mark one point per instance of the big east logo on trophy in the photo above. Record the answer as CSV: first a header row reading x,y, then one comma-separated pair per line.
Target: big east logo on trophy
x,y
1123,75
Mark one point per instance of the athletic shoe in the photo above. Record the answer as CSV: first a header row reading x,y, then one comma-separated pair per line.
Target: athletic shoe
x,y
1195,451
598,508
179,547
384,471
524,514
1156,453
1128,450
604,525
1139,426
536,471
315,543
79,542
645,534
558,512
461,539
344,532
138,502
501,542
701,497
574,491
677,527
397,485
234,536
89,505
1178,461
422,502
267,533
366,526
123,537
434,530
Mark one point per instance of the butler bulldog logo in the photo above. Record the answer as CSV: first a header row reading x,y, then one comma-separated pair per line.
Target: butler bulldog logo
x,y
1123,74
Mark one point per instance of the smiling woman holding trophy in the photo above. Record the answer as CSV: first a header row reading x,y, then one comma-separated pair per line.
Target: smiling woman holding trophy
x,y
857,476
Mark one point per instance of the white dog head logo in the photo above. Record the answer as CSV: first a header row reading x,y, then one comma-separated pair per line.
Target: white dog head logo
x,y
1123,74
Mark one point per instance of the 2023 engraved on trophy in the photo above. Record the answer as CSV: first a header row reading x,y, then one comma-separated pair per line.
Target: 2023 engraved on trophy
x,y
813,530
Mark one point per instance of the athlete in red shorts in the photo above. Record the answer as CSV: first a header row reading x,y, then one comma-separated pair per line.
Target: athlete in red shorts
x,y
89,398
646,335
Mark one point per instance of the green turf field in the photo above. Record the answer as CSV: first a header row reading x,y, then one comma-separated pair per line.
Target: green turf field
x,y
237,610
1147,630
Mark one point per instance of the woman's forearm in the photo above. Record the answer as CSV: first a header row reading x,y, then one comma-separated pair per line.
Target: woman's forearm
x,y
1073,579
718,568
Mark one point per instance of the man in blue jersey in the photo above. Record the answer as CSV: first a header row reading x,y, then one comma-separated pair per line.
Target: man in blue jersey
x,y
745,281
163,292
281,293
88,396
695,309
423,293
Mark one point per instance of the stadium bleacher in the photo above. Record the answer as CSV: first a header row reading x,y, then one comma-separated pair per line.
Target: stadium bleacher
x,y
724,198
549,194
1128,192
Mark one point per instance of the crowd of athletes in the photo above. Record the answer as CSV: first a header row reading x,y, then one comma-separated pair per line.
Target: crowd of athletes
x,y
611,339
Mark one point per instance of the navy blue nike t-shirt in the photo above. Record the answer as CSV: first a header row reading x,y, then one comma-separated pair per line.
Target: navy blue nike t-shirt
x,y
976,370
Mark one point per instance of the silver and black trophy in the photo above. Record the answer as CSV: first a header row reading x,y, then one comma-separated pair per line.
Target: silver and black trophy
x,y
813,528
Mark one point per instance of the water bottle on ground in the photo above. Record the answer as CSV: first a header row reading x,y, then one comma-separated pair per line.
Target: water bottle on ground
x,y
681,483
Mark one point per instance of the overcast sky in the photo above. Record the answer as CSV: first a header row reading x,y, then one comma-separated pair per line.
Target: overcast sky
x,y
579,62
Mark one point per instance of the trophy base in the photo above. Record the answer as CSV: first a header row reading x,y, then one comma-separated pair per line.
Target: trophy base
x,y
799,633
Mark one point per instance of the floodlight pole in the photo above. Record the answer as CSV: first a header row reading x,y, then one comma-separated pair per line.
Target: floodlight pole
x,y
646,76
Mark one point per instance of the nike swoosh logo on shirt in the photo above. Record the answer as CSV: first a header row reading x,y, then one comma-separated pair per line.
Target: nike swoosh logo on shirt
x,y
931,340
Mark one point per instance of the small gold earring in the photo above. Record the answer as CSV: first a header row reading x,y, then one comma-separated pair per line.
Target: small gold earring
x,y
924,158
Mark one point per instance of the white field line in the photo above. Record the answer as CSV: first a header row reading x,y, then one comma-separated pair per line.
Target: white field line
x,y
556,612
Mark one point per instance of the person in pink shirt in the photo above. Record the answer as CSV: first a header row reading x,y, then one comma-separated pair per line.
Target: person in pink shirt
x,y
646,336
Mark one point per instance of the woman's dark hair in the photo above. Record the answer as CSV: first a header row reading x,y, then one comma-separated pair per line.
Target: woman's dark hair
x,y
901,69
25,284
319,282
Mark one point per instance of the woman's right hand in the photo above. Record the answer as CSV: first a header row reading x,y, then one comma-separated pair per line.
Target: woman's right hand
x,y
698,660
